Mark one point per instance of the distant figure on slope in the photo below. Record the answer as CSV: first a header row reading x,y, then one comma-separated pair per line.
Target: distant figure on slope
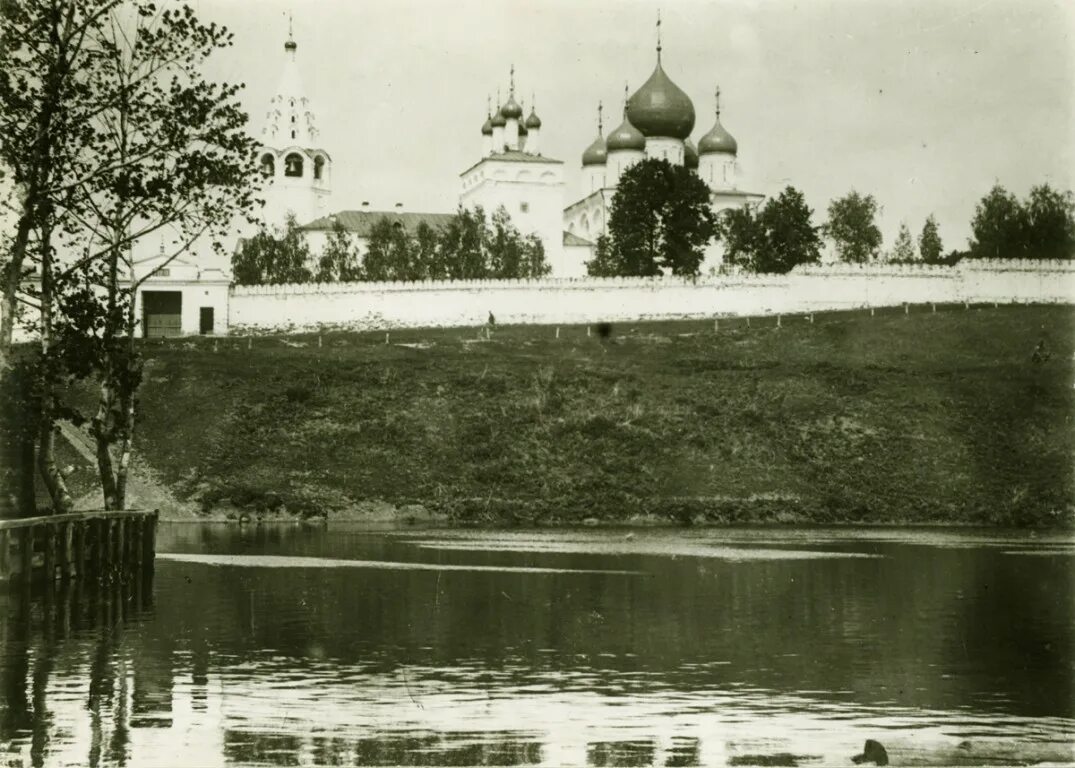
x,y
490,324
872,752
1041,353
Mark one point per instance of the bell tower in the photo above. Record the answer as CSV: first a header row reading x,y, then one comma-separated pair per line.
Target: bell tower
x,y
297,170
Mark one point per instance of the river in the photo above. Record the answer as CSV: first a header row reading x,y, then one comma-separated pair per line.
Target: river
x,y
290,645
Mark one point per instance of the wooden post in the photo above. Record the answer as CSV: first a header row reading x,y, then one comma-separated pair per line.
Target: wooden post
x,y
80,549
906,308
933,307
587,331
50,553
557,331
778,321
716,324
386,338
319,341
871,311
811,318
121,544
68,556
5,555
249,342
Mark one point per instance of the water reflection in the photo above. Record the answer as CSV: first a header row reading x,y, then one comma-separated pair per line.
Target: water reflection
x,y
666,658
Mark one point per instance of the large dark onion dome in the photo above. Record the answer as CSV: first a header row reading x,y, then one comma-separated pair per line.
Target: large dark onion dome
x,y
498,120
596,153
717,140
661,108
533,121
511,109
690,155
626,136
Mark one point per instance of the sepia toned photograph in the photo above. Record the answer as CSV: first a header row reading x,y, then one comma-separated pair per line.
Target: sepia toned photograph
x,y
588,383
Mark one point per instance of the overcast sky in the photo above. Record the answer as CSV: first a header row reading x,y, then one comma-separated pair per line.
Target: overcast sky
x,y
921,103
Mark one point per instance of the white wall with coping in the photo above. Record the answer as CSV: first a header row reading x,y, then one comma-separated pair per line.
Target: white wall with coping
x,y
586,300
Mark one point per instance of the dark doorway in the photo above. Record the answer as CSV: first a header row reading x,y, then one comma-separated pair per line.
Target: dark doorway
x,y
162,313
205,320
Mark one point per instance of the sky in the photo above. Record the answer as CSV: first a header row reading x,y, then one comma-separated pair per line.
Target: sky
x,y
924,104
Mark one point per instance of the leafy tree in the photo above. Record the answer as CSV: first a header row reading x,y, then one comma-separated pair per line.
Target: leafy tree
x,y
510,254
777,238
661,219
339,258
999,229
602,264
852,228
265,259
930,246
463,246
1051,224
427,245
387,252
903,251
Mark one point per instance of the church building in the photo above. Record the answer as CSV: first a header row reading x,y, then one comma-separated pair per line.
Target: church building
x,y
657,123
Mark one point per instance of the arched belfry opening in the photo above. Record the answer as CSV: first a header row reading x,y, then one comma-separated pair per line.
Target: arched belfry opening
x,y
293,165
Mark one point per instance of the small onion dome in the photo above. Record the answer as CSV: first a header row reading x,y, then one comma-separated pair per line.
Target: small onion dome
x,y
661,108
291,45
498,120
533,121
717,140
522,130
511,109
487,127
626,137
690,155
596,153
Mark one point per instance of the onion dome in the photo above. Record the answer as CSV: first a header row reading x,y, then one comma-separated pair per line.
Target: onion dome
x,y
522,130
533,121
487,127
717,140
498,120
626,137
661,108
511,109
596,153
690,155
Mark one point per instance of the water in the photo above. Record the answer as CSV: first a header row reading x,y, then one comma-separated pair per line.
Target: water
x,y
296,646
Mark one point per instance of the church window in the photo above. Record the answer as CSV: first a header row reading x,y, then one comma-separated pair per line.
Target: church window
x,y
319,167
524,207
268,165
292,119
293,165
292,134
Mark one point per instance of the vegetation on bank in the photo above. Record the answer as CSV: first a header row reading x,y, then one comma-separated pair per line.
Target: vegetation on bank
x,y
926,417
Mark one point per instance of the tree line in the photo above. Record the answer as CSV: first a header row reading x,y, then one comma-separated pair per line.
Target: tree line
x,y
470,246
661,221
111,135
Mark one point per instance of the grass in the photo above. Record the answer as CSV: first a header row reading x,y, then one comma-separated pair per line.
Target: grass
x,y
926,417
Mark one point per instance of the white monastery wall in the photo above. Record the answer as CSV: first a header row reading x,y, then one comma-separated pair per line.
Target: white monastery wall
x,y
588,300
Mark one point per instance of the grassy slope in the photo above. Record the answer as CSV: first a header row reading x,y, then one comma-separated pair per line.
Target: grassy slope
x,y
927,417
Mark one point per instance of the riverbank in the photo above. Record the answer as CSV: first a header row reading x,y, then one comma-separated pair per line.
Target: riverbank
x,y
926,417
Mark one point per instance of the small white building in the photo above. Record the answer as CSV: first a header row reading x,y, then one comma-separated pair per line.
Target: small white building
x,y
180,298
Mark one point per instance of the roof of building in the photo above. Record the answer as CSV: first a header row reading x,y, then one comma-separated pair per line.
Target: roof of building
x,y
626,136
513,156
511,108
572,239
661,108
596,153
361,222
717,140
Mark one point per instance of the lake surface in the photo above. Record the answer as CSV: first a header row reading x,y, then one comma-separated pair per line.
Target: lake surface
x,y
284,646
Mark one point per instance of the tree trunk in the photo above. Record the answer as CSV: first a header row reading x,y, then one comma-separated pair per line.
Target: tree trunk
x,y
101,430
46,465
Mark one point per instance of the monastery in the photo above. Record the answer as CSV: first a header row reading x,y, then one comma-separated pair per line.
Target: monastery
x,y
512,171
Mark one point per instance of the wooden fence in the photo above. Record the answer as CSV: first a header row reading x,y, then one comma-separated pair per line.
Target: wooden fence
x,y
78,545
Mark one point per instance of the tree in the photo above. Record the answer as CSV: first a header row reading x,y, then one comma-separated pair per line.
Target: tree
x,y
463,246
999,229
339,258
852,229
388,252
602,264
265,259
510,254
1051,224
776,239
183,165
660,220
930,246
903,251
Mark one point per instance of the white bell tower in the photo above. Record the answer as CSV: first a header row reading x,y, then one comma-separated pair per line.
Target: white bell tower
x,y
297,170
